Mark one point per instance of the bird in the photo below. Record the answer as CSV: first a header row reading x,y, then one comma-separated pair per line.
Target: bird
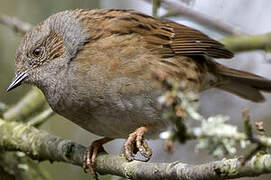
x,y
95,68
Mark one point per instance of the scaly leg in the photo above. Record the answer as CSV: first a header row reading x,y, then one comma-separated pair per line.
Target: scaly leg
x,y
136,139
92,152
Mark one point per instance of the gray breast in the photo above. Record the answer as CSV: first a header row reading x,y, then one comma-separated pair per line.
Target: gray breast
x,y
109,114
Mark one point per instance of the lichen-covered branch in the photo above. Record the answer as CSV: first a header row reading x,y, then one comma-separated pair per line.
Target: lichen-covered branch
x,y
15,163
21,167
43,146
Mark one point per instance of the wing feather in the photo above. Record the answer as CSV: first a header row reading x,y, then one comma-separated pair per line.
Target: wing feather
x,y
164,37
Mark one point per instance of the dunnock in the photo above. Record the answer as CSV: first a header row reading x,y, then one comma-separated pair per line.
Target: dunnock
x,y
95,68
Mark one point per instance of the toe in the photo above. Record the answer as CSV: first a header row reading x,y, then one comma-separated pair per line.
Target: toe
x,y
148,150
128,151
91,155
144,150
89,159
136,139
139,145
129,147
143,147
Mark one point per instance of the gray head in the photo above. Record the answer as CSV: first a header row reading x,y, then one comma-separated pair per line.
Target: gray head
x,y
48,47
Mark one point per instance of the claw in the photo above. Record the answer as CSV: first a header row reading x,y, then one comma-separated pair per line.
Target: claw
x,y
136,138
129,147
91,154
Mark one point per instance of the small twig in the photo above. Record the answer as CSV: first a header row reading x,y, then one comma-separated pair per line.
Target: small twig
x,y
172,109
251,137
248,128
247,124
14,23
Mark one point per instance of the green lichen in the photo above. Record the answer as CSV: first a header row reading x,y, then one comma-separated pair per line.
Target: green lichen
x,y
228,169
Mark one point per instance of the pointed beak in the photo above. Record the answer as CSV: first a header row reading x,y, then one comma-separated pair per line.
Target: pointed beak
x,y
17,80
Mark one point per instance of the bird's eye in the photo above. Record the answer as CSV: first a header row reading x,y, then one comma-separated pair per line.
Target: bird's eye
x,y
37,52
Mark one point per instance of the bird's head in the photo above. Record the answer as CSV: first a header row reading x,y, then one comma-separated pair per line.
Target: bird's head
x,y
47,48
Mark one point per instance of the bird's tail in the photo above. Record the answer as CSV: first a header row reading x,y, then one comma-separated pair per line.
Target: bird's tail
x,y
243,84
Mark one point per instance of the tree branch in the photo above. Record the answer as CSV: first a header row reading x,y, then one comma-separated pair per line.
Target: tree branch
x,y
42,146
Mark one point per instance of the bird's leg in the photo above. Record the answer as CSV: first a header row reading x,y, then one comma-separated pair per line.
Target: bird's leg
x,y
92,152
136,139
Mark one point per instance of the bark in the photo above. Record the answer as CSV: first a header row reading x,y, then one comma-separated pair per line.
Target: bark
x,y
43,146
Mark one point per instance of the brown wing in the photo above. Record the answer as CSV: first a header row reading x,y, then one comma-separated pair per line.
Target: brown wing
x,y
162,36
188,41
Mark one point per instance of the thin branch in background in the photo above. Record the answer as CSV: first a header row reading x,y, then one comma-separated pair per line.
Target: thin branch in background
x,y
202,18
247,124
16,24
260,146
30,103
177,8
242,43
41,118
3,108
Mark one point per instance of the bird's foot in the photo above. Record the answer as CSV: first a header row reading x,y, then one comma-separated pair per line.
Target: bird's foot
x,y
136,140
91,154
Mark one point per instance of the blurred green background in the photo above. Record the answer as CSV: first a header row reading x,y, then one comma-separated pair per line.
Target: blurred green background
x,y
251,16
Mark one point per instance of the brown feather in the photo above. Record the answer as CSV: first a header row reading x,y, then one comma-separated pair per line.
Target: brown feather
x,y
243,84
178,51
164,37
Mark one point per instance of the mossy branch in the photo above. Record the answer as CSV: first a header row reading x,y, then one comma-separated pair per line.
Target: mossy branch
x,y
43,146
